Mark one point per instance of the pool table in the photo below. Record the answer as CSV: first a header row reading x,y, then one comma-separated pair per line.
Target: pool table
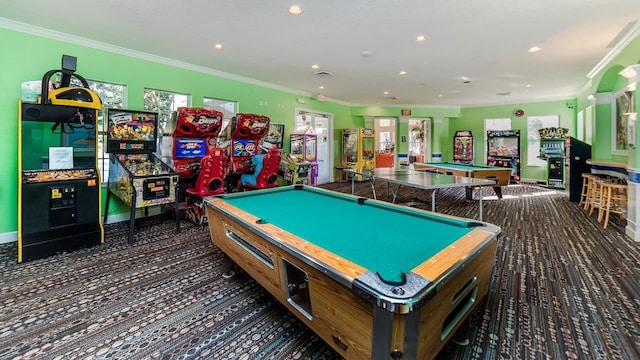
x,y
501,175
374,280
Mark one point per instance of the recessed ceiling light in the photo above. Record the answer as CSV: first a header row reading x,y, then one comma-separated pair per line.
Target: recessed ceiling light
x,y
386,93
421,38
321,87
295,10
366,53
217,46
403,72
528,85
534,49
440,95
315,66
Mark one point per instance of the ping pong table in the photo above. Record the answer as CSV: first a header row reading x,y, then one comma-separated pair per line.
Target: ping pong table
x,y
416,179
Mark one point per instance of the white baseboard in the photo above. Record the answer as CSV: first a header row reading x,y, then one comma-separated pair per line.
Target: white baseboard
x,y
12,236
8,237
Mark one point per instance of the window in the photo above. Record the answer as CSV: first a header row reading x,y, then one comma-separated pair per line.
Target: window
x,y
228,108
112,96
164,103
416,137
535,123
385,131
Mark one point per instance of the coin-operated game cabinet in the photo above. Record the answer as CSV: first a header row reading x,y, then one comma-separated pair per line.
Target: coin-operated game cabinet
x,y
247,133
59,186
265,172
197,159
358,147
137,176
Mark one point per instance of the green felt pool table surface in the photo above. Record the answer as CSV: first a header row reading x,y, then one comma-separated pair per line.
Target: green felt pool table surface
x,y
384,238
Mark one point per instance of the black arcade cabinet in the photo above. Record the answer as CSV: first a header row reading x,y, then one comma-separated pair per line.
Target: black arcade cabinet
x,y
59,187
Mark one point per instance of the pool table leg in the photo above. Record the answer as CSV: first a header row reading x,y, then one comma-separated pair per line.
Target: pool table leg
x,y
469,193
498,191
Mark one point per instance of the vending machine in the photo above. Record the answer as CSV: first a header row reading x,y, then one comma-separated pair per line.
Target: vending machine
x,y
136,175
463,147
358,149
552,143
503,150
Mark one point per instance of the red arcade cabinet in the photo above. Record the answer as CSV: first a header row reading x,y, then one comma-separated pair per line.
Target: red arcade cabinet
x,y
197,158
247,132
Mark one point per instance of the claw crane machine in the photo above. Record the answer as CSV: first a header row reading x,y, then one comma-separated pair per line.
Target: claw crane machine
x,y
136,175
301,165
59,184
358,150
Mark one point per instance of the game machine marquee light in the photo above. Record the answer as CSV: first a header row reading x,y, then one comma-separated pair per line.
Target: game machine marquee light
x,y
59,187
196,155
247,132
136,175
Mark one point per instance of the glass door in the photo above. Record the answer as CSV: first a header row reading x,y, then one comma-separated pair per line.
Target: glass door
x,y
322,124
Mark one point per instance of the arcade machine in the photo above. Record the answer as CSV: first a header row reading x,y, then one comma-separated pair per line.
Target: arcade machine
x,y
552,141
503,150
275,136
463,147
59,185
358,150
576,154
247,133
136,175
197,159
301,165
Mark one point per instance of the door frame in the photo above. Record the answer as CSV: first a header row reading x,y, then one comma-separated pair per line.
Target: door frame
x,y
330,155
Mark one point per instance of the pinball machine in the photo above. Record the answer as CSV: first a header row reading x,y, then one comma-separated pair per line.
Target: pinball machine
x,y
137,176
59,184
201,165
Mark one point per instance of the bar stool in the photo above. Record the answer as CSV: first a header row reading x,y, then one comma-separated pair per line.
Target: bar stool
x,y
586,178
593,194
613,199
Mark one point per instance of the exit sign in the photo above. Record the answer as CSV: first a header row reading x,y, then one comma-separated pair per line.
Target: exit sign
x,y
406,112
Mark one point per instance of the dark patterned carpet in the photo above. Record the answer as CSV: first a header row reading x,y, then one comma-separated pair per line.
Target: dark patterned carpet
x,y
563,288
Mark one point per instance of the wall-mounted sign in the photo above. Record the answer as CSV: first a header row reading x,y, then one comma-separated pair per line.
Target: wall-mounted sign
x,y
406,112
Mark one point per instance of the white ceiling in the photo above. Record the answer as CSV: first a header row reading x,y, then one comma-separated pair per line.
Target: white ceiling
x,y
485,41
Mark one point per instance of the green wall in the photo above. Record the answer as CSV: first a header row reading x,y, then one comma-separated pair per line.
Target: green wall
x,y
27,57
472,118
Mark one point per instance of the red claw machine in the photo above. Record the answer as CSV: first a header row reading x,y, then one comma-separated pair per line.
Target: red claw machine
x,y
136,175
358,150
463,147
503,150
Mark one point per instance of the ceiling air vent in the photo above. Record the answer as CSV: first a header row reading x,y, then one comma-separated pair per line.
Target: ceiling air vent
x,y
323,73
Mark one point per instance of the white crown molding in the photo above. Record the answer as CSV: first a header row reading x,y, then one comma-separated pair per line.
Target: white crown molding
x,y
55,35
616,50
603,98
